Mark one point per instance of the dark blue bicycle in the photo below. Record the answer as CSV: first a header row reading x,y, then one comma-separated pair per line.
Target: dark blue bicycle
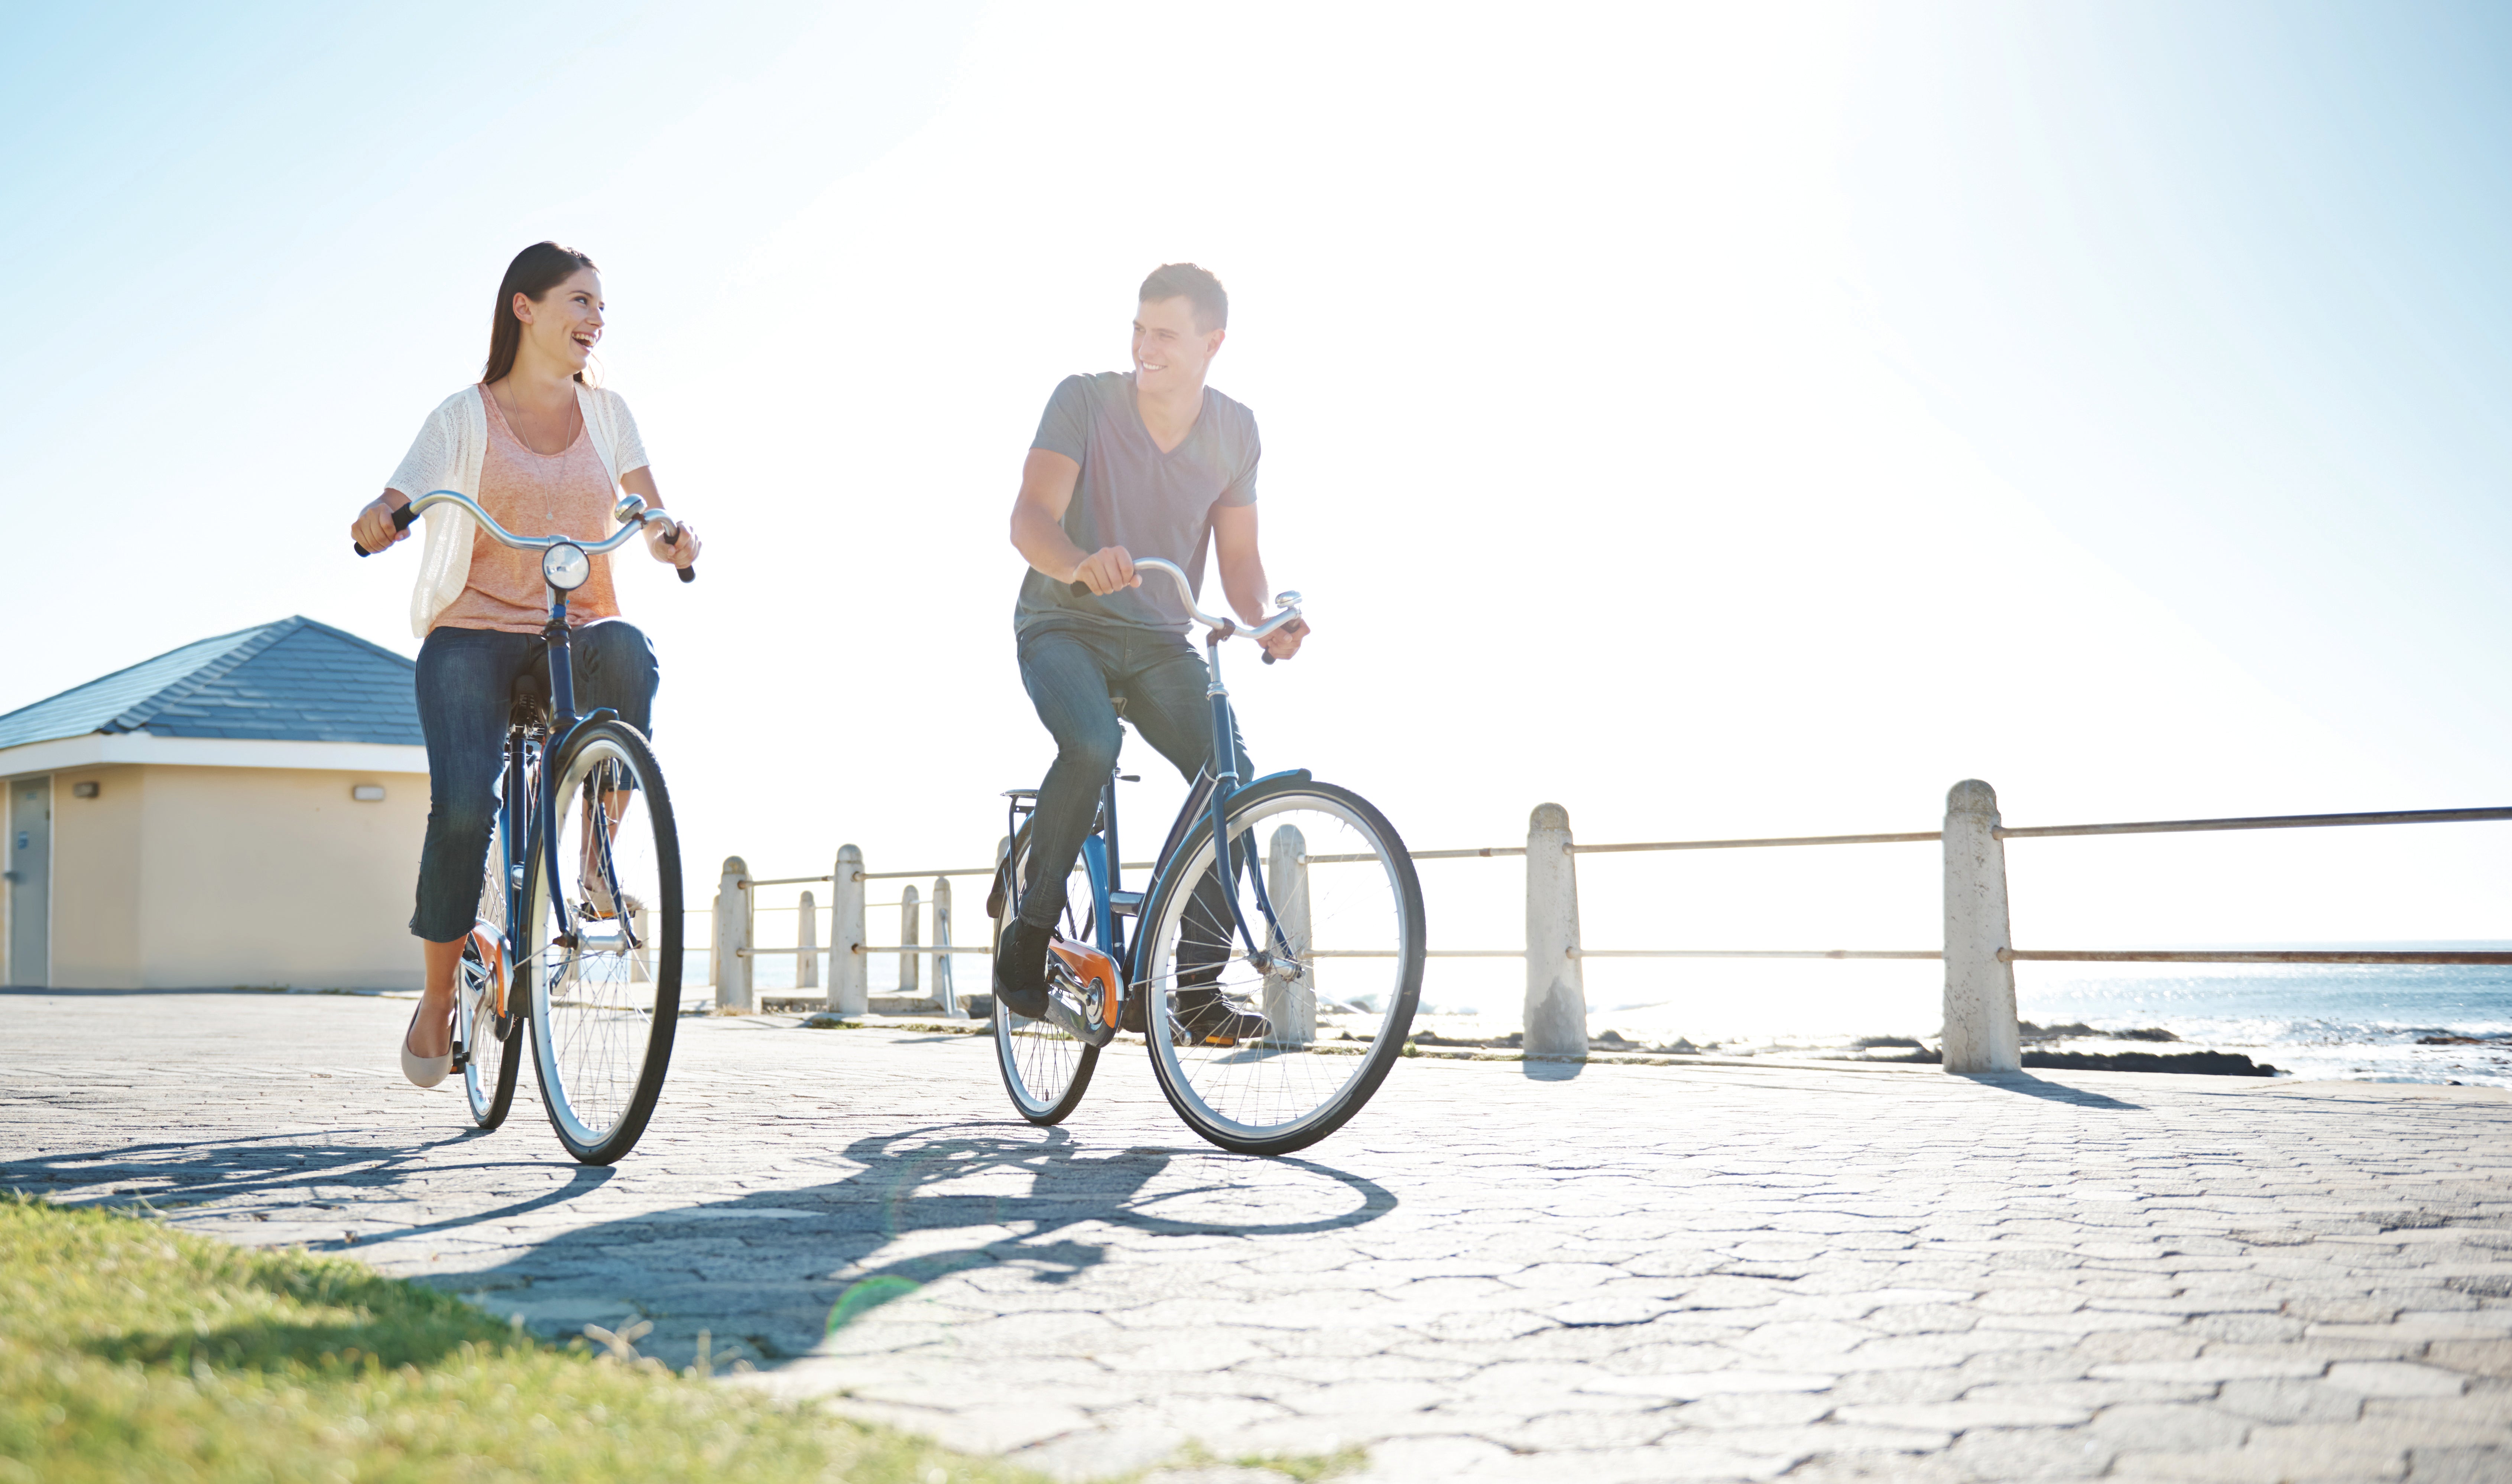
x,y
580,926
1274,981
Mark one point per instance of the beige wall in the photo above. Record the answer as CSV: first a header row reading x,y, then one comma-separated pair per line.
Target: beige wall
x,y
276,877
96,877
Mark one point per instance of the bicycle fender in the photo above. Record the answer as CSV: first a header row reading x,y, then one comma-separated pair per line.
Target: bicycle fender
x,y
1299,774
598,714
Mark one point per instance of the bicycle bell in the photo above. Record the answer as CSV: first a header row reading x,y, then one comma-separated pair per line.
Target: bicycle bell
x,y
629,508
565,566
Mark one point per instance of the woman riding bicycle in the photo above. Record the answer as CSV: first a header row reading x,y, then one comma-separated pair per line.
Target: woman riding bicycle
x,y
541,450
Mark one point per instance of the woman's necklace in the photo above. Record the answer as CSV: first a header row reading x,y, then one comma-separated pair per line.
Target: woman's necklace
x,y
507,397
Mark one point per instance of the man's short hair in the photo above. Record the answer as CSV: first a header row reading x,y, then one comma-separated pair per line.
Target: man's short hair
x,y
1199,287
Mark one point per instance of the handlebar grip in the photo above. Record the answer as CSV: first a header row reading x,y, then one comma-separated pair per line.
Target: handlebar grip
x,y
688,573
1269,656
1079,589
401,520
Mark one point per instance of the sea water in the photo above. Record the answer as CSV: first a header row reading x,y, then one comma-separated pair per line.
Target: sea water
x,y
2349,1022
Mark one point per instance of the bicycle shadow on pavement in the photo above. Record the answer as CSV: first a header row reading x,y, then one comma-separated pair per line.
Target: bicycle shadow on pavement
x,y
778,1270
175,1177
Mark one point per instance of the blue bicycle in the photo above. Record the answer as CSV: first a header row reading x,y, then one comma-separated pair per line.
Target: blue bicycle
x,y
580,926
1273,980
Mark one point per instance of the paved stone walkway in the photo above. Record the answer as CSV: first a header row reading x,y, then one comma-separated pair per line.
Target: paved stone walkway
x,y
1502,1271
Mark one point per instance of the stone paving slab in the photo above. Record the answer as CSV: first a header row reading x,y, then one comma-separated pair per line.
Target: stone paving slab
x,y
1500,1271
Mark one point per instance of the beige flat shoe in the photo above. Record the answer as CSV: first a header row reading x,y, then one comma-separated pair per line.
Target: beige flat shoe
x,y
422,1071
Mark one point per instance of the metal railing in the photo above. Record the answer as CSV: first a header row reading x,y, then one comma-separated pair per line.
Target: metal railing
x,y
1981,1029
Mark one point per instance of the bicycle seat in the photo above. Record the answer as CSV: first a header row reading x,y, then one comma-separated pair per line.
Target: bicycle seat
x,y
527,699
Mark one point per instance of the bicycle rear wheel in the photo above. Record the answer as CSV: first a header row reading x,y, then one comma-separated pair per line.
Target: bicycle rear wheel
x,y
604,941
492,1053
1268,1055
1046,1068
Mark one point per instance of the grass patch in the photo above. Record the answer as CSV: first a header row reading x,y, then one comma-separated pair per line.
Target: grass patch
x,y
129,1351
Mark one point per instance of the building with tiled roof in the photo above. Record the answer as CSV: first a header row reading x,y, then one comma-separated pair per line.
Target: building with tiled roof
x,y
245,810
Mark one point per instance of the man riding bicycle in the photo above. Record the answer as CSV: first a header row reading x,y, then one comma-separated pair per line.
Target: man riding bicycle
x,y
1148,463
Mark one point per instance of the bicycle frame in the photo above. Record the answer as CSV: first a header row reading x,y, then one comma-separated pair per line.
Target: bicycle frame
x,y
1103,859
1209,796
526,810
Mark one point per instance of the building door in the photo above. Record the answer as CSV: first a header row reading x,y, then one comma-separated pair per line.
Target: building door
x,y
30,881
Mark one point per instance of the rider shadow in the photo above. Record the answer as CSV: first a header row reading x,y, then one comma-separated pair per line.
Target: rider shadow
x,y
777,1271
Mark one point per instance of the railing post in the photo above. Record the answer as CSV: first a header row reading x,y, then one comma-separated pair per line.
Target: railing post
x,y
1980,1032
908,958
732,940
850,971
1556,994
806,944
1290,1001
943,989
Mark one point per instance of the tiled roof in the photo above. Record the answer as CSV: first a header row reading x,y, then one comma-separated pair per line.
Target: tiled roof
x,y
295,680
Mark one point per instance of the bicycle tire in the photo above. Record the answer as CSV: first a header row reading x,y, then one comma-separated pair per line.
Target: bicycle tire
x,y
1044,1067
479,991
594,1003
1180,1057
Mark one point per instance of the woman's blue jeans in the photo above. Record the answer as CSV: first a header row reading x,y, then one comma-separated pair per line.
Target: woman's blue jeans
x,y
466,679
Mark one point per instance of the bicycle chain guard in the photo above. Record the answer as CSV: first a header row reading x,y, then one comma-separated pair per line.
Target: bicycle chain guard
x,y
1091,977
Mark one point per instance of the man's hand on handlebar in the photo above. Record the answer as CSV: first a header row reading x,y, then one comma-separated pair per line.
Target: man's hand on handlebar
x,y
373,527
1285,642
1108,570
684,554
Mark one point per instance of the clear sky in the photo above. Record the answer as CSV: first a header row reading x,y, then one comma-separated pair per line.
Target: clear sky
x,y
1721,420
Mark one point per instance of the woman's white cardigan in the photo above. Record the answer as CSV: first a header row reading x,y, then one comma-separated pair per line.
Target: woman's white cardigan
x,y
447,455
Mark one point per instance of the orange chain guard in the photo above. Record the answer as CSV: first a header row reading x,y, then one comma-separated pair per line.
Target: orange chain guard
x,y
1095,969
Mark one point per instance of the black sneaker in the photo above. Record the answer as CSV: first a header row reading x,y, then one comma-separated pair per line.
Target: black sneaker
x,y
1210,1020
1020,970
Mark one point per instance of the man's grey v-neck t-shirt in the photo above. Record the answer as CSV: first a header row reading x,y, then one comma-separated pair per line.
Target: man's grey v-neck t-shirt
x,y
1133,495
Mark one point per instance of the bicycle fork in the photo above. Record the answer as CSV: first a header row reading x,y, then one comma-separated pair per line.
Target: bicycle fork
x,y
1226,854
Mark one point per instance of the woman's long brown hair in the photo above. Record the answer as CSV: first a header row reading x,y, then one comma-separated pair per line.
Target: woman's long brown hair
x,y
534,272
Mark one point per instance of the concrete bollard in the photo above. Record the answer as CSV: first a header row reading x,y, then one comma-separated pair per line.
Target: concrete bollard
x,y
1556,994
850,971
1980,1034
732,939
1290,1000
806,944
908,958
944,990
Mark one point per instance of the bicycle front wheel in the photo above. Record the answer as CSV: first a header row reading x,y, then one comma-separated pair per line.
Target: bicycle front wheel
x,y
1046,1068
604,898
1269,1052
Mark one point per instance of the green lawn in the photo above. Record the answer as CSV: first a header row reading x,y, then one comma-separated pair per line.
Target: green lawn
x,y
129,1351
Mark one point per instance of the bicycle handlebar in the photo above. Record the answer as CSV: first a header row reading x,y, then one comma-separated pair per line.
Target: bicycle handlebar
x,y
1288,603
633,517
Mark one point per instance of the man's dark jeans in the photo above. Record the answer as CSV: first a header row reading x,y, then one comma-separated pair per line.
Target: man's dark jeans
x,y
466,681
1070,670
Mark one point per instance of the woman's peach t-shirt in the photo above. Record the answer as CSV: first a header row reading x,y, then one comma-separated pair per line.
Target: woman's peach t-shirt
x,y
566,494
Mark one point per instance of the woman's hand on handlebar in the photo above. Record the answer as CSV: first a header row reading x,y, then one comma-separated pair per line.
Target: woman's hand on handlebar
x,y
1285,642
373,527
1108,570
683,553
